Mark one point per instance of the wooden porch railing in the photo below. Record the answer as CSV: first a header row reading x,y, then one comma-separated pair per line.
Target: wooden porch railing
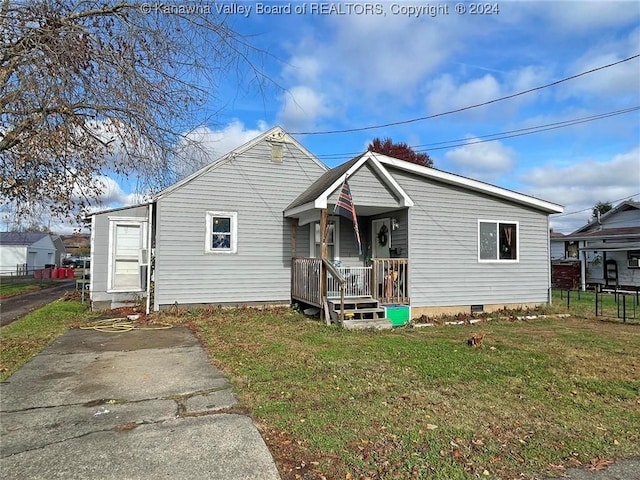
x,y
305,280
390,280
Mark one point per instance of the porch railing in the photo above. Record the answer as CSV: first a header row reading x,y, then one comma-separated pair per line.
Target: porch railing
x,y
391,280
385,280
305,280
357,282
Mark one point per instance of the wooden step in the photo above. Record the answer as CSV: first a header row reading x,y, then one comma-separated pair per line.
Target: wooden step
x,y
354,303
359,314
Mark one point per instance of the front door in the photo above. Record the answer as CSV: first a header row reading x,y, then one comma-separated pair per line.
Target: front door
x,y
381,238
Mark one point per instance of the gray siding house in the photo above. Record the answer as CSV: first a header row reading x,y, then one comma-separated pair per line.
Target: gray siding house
x,y
251,228
609,248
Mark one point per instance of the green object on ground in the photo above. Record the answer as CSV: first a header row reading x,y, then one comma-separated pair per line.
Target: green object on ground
x,y
398,315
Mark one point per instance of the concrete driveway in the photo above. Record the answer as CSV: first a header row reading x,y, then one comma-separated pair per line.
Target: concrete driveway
x,y
135,405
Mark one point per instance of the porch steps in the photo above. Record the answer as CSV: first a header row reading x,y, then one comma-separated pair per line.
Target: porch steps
x,y
360,313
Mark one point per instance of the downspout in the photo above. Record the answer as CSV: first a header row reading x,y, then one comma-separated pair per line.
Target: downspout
x,y
149,244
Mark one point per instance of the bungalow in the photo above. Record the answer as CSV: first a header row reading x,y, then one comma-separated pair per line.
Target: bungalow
x,y
258,226
609,248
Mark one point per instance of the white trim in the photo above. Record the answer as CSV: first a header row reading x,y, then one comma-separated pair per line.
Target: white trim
x,y
336,236
471,184
284,137
140,222
498,259
208,233
92,243
149,255
321,201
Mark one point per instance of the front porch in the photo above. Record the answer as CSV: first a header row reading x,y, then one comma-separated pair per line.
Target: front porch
x,y
346,293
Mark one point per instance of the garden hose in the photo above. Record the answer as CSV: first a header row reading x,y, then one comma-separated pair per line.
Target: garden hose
x,y
120,325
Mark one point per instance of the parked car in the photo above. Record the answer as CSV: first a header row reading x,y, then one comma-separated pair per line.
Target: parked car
x,y
76,262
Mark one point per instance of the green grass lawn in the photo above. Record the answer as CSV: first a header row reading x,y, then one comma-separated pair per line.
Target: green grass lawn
x,y
9,288
582,304
26,337
538,396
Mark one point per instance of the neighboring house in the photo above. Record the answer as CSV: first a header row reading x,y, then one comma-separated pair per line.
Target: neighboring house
x,y
561,248
610,248
23,252
250,228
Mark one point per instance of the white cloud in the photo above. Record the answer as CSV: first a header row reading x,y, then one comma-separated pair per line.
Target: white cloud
x,y
204,145
581,185
485,161
444,94
303,107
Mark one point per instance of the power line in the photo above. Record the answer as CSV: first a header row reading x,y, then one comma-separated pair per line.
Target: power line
x,y
427,147
404,122
612,202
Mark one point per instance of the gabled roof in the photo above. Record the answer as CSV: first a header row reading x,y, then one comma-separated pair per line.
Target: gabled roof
x,y
21,238
606,233
317,194
470,184
275,134
621,207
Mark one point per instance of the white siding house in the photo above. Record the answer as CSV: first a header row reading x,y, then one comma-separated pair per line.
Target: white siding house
x,y
23,252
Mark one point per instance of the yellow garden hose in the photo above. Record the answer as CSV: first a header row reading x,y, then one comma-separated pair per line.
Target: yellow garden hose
x,y
119,325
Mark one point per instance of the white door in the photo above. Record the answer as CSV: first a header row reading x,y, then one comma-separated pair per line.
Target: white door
x,y
381,238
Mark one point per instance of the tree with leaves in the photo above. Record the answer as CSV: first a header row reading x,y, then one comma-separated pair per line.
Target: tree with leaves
x,y
600,208
401,151
89,87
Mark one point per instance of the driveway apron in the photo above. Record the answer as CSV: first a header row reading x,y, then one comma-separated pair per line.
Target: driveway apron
x,y
143,404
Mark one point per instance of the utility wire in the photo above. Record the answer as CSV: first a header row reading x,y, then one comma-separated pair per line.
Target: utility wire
x,y
427,147
404,122
612,202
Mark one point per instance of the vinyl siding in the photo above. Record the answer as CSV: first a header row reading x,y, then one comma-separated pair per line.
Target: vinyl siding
x,y
258,190
367,189
628,218
100,255
443,248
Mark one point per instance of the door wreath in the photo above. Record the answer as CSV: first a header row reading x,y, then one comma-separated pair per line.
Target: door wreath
x,y
383,235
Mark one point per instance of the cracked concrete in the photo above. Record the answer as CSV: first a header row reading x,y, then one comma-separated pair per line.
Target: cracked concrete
x,y
140,404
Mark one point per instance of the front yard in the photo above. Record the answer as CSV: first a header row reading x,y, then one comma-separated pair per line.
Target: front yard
x,y
537,397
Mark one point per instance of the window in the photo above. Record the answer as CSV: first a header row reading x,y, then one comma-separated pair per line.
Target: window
x,y
127,241
221,232
497,241
633,259
332,239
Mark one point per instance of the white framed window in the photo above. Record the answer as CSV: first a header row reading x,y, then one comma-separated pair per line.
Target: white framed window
x,y
221,234
127,244
333,239
498,241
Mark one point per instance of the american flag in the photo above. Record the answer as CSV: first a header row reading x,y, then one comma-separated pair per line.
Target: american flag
x,y
344,206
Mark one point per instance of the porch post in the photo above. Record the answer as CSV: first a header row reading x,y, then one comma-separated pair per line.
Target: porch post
x,y
324,252
294,232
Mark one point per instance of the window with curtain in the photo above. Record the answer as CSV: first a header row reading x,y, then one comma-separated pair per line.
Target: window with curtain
x,y
497,241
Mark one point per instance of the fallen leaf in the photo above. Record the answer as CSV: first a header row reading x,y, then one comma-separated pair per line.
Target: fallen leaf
x,y
431,426
599,463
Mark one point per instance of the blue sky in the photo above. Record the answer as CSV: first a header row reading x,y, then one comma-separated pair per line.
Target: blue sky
x,y
345,71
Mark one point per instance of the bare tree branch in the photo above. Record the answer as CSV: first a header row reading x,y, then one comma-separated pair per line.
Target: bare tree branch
x,y
93,86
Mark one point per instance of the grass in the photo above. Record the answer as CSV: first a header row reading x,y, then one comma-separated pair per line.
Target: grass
x,y
17,287
538,397
582,304
24,338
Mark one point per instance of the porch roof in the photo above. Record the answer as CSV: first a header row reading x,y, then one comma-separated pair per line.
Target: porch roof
x,y
315,197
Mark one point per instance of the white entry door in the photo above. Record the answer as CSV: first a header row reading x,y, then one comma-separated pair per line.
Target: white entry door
x,y
381,238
